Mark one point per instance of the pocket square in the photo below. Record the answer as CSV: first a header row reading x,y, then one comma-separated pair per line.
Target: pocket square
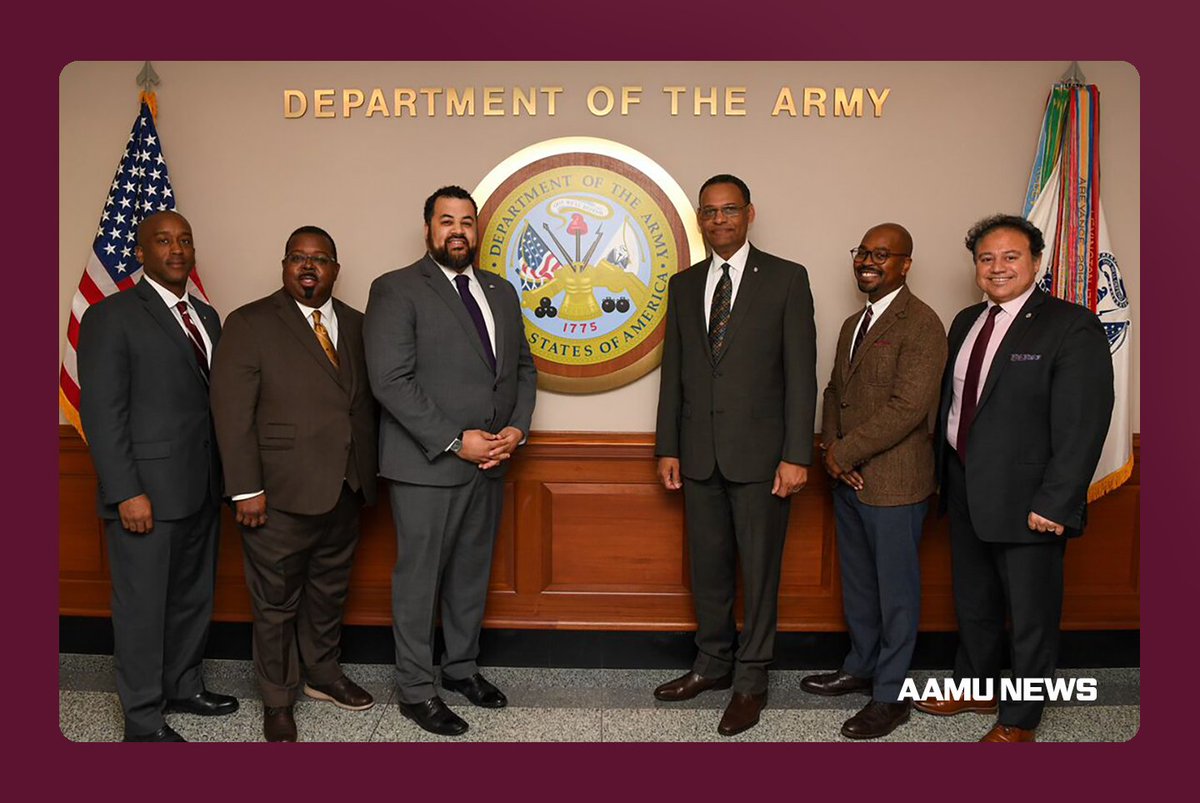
x,y
883,342
1025,357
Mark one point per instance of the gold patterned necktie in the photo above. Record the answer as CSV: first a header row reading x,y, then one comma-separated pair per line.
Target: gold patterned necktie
x,y
323,336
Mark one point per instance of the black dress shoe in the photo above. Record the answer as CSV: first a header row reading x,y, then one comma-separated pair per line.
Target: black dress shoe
x,y
204,704
278,724
832,684
343,692
742,713
435,717
478,690
163,734
875,720
690,685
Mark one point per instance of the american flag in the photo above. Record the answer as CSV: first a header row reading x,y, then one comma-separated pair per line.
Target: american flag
x,y
140,188
538,264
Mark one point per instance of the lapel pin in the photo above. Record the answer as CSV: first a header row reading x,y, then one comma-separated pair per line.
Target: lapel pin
x,y
756,270
1029,315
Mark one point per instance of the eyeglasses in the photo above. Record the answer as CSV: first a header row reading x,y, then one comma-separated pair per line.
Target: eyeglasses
x,y
321,261
730,211
878,255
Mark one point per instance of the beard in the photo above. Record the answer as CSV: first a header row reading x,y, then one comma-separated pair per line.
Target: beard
x,y
456,262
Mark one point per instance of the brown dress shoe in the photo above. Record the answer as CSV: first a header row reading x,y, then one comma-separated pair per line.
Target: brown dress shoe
x,y
343,692
278,724
742,713
875,720
948,708
1007,733
832,684
688,686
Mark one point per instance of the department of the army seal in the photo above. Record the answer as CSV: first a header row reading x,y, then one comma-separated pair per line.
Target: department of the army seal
x,y
588,231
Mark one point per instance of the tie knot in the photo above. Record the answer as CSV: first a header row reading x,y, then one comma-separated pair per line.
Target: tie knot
x,y
182,307
462,281
995,310
725,268
316,316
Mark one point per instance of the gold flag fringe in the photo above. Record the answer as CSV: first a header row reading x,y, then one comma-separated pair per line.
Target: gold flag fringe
x,y
1111,482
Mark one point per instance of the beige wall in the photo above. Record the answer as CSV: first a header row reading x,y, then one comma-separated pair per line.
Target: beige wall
x,y
955,143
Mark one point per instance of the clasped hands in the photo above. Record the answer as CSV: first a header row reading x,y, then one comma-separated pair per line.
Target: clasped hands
x,y
488,450
849,476
789,477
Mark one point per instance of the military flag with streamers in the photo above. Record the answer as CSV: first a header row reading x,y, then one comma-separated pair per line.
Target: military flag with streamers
x,y
1063,200
140,188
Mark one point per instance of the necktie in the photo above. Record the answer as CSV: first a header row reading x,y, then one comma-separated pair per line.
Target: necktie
x,y
970,397
194,338
862,333
463,283
718,316
323,336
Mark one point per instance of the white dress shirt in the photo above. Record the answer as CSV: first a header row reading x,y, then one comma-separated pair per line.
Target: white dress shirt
x,y
170,299
1004,320
328,319
877,309
737,267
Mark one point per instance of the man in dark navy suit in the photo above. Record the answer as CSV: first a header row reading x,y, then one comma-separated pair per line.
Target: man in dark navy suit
x,y
1026,399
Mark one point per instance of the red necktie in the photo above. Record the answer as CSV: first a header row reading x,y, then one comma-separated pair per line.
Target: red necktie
x,y
970,393
194,338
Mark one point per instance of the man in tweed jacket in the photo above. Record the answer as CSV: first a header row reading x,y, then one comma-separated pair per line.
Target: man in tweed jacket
x,y
875,434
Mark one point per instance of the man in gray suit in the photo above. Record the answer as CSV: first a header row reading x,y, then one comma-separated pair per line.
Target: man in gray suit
x,y
735,431
143,368
450,365
297,425
875,435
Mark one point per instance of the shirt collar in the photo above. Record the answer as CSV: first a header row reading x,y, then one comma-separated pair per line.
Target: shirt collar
x,y
1013,305
737,260
169,298
468,271
880,306
325,309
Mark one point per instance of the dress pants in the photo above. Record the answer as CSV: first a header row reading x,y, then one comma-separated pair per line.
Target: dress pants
x,y
162,595
881,587
298,573
444,540
1022,580
728,521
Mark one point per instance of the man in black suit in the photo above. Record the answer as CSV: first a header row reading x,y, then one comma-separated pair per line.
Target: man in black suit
x,y
143,367
735,431
451,368
297,425
1026,400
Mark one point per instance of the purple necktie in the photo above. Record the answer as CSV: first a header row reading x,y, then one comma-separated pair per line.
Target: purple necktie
x,y
862,333
970,397
463,283
194,338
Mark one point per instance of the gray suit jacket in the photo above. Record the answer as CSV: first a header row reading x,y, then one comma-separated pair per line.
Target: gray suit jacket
x,y
144,405
879,407
754,406
288,422
429,371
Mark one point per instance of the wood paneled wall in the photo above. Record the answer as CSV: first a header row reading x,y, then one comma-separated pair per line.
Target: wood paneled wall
x,y
589,540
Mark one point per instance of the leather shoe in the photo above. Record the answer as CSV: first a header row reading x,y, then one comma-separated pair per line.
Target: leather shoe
x,y
875,720
1007,733
163,734
690,685
343,692
948,708
833,684
742,713
205,704
434,716
478,690
278,724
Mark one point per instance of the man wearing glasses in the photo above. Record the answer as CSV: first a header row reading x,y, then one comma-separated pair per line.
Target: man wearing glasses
x,y
735,425
875,436
297,424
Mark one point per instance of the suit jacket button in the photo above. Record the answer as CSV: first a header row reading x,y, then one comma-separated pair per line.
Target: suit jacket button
x,y
718,411
845,404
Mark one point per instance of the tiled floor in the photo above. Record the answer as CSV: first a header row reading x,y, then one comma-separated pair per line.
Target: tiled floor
x,y
576,705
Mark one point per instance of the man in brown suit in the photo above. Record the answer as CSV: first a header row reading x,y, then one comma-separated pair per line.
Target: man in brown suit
x,y
297,424
875,434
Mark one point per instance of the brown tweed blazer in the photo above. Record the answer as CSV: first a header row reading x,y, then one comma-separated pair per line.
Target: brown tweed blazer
x,y
878,408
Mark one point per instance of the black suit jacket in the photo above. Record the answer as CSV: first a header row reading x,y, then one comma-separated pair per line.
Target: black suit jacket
x,y
288,422
1040,423
754,406
144,405
430,373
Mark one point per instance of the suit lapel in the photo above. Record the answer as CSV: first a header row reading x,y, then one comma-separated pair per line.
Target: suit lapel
x,y
691,304
893,313
450,297
299,328
1025,318
747,289
170,326
345,349
495,299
